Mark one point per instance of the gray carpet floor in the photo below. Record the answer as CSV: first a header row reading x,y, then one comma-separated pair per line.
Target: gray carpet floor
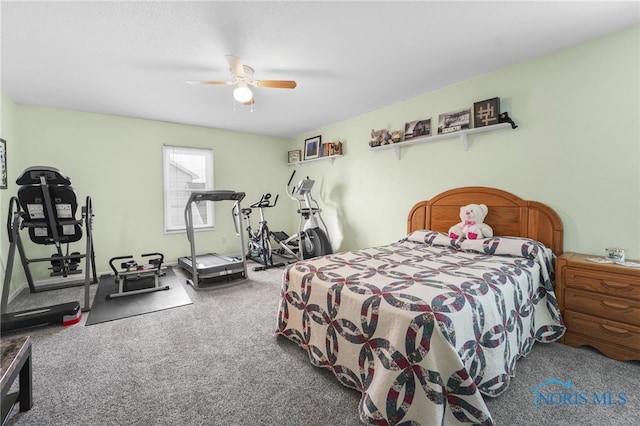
x,y
218,362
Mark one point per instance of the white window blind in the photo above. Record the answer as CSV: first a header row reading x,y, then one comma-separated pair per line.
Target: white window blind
x,y
186,170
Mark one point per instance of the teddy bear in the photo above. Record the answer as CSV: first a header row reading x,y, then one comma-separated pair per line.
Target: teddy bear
x,y
472,226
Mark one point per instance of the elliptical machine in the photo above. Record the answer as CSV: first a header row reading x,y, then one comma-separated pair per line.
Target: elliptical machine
x,y
312,236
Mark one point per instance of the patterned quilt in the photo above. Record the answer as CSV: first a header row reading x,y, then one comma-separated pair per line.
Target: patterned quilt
x,y
424,326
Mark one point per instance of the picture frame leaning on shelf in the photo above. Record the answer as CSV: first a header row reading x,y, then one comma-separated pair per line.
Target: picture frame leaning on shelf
x,y
294,156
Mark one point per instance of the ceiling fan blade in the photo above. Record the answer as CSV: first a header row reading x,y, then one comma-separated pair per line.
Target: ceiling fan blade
x,y
209,83
279,84
235,65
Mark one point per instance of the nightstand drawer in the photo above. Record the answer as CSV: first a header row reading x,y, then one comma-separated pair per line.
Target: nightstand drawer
x,y
604,330
617,309
602,282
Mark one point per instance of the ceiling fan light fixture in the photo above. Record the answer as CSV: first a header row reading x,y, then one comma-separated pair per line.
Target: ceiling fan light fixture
x,y
242,79
242,94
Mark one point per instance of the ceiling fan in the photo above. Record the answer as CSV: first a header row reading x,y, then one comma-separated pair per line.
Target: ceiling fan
x,y
242,78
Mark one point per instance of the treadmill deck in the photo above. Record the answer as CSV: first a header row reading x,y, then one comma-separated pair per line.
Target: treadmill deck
x,y
212,265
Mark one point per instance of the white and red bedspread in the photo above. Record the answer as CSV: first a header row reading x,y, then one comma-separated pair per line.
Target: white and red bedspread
x,y
424,326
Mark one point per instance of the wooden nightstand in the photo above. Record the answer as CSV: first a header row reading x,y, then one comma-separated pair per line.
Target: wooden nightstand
x,y
600,305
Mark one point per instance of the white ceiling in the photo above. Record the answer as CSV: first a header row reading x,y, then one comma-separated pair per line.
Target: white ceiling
x,y
132,58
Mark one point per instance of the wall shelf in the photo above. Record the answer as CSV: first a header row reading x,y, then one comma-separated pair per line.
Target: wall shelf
x,y
462,134
311,160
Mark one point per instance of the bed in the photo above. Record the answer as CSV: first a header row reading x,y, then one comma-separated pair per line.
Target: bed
x,y
425,326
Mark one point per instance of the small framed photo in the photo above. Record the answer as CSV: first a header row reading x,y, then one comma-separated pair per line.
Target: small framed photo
x,y
294,156
418,128
486,113
3,164
454,121
312,147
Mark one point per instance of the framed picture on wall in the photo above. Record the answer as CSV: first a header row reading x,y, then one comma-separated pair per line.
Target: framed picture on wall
x,y
294,156
312,147
3,164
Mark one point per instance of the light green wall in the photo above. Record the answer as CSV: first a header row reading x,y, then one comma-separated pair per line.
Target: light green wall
x,y
118,162
577,149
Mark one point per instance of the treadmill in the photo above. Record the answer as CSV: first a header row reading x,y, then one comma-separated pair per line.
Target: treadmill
x,y
211,266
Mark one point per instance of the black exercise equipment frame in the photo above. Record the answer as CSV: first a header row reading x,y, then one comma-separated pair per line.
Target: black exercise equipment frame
x,y
66,313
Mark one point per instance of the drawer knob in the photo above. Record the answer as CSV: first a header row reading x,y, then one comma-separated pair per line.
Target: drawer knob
x,y
614,329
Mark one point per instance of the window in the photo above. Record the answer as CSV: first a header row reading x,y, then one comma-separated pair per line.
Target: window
x,y
186,170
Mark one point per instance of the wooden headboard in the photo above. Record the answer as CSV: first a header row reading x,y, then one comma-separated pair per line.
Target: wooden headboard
x,y
508,215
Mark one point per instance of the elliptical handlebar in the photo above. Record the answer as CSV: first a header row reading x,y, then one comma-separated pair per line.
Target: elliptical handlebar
x,y
291,191
291,178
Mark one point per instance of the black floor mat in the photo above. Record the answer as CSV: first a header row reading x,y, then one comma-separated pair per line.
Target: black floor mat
x,y
104,310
